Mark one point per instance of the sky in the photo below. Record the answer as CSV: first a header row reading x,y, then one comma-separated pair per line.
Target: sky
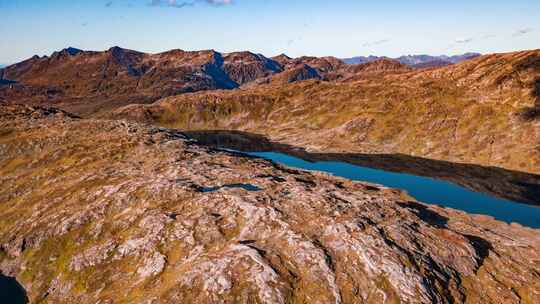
x,y
341,28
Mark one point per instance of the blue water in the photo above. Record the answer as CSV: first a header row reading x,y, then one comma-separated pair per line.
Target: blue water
x,y
11,291
424,189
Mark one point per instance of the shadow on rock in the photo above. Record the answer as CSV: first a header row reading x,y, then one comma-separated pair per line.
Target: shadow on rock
x,y
533,113
425,214
481,246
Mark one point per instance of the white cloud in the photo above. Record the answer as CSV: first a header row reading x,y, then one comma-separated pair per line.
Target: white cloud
x,y
523,31
464,40
373,43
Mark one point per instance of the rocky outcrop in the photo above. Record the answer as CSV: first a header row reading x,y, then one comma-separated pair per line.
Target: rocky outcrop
x,y
460,113
300,72
244,67
375,69
110,211
380,66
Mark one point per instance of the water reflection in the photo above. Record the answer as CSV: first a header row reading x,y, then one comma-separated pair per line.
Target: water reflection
x,y
472,188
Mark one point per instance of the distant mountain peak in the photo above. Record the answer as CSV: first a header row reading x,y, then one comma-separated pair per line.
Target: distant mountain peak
x,y
118,50
72,51
418,61
67,52
283,55
115,48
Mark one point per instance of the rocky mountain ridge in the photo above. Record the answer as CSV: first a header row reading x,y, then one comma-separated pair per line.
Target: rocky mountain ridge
x,y
87,82
121,76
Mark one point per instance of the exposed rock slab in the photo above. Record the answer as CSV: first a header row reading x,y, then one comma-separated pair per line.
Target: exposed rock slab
x,y
108,211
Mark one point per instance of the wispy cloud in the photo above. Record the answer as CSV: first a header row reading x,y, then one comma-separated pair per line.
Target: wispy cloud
x,y
470,39
181,4
171,3
464,40
220,2
377,42
459,41
293,41
488,36
523,31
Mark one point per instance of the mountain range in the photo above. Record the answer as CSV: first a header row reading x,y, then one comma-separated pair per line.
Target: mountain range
x,y
459,112
120,76
87,81
417,61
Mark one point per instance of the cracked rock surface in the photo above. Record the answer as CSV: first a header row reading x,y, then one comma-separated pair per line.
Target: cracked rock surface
x,y
95,211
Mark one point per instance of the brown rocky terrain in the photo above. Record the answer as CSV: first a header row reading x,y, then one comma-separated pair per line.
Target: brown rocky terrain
x,y
87,82
432,64
99,211
482,111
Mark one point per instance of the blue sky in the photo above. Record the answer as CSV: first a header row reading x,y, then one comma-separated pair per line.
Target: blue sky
x,y
305,27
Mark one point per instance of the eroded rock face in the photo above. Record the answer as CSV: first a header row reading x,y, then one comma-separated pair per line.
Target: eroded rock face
x,y
108,211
